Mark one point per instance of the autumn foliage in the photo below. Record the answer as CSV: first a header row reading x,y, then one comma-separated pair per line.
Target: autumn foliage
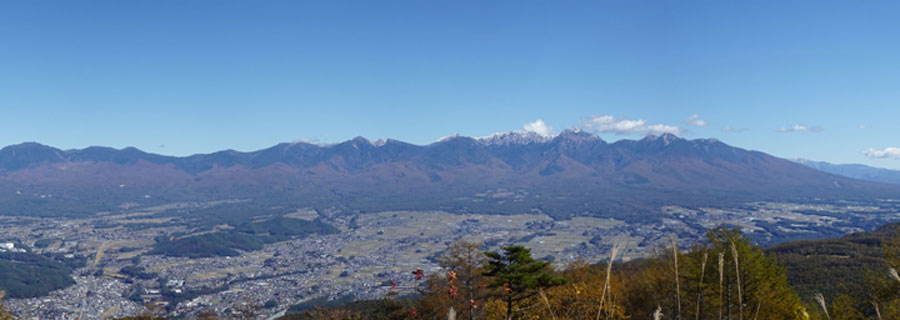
x,y
724,277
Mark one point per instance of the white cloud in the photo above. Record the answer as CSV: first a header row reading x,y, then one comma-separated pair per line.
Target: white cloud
x,y
862,126
540,127
695,120
800,128
730,129
623,126
890,152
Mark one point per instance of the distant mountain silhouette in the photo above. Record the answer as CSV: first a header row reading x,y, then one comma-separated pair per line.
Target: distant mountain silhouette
x,y
573,173
857,171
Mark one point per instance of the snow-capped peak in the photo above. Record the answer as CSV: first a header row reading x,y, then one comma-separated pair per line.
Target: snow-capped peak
x,y
450,137
514,137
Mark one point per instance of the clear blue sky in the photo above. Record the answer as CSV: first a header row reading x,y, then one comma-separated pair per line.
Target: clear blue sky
x,y
182,77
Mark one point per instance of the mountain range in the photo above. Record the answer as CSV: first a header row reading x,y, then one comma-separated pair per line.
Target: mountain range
x,y
858,171
572,173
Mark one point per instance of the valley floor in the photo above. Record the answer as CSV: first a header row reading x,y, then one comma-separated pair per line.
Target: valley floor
x,y
370,252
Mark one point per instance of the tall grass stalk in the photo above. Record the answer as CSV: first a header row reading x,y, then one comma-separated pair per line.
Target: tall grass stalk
x,y
737,271
893,273
612,257
721,284
451,314
547,302
877,311
677,283
821,300
700,285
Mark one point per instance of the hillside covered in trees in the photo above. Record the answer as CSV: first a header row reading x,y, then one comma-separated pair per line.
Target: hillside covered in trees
x,y
812,266
26,275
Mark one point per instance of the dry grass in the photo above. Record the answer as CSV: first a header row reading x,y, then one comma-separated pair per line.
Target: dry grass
x,y
677,282
893,273
821,300
606,285
721,283
699,287
737,271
